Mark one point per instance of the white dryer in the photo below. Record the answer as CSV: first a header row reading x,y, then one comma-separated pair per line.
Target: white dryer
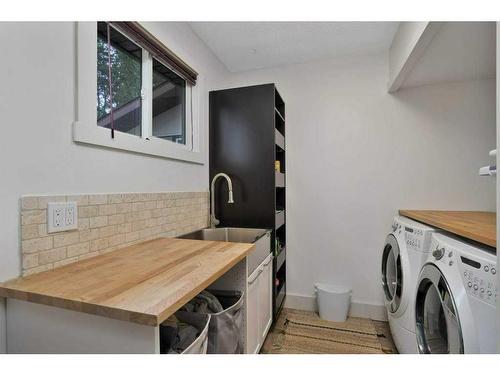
x,y
404,253
455,303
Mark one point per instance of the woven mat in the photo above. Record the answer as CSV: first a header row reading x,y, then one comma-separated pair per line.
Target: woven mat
x,y
306,333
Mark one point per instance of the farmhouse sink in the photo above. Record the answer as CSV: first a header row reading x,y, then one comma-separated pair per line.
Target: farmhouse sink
x,y
260,237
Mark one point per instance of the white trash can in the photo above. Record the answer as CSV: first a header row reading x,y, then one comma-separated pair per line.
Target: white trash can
x,y
333,302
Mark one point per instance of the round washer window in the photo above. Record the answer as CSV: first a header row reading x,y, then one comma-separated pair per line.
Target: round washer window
x,y
435,330
392,275
437,324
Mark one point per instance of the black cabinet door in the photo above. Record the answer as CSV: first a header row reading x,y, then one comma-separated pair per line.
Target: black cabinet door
x,y
242,145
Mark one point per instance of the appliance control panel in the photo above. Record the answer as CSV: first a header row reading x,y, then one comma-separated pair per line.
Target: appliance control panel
x,y
478,273
414,238
479,278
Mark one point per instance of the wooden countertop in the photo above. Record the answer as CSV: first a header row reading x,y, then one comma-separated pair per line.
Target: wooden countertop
x,y
144,283
479,226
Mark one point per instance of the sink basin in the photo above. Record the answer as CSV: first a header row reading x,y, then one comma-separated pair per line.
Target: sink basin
x,y
260,237
246,235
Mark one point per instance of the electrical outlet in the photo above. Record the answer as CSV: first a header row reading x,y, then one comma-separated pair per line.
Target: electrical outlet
x,y
61,216
70,216
58,217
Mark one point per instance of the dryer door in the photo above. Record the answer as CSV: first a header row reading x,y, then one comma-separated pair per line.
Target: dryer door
x,y
437,323
392,273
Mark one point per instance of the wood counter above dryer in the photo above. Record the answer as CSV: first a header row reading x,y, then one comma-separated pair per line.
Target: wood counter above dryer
x,y
479,226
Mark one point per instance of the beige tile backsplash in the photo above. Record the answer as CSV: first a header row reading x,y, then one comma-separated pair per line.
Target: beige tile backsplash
x,y
106,222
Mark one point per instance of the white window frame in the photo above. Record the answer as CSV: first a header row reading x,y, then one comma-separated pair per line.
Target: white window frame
x,y
86,130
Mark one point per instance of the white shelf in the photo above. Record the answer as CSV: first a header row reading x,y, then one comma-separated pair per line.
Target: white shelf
x,y
279,179
280,140
279,114
280,218
280,259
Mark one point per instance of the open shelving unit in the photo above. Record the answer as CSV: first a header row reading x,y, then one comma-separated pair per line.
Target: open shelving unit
x,y
279,263
247,137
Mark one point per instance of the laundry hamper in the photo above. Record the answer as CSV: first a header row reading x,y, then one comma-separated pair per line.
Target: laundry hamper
x,y
201,322
224,333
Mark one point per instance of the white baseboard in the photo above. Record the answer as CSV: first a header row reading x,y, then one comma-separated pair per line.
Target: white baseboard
x,y
357,309
301,302
366,310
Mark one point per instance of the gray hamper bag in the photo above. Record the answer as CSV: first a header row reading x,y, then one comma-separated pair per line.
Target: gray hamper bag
x,y
199,345
225,326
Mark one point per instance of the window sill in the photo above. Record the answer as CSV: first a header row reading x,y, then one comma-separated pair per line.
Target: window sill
x,y
98,136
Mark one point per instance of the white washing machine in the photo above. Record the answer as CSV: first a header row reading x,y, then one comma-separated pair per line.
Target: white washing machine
x,y
405,252
455,303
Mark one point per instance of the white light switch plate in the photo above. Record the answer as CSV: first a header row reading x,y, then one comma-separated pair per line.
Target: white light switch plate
x,y
61,216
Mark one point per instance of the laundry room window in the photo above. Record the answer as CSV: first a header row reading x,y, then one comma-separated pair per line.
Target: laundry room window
x,y
169,104
119,81
146,96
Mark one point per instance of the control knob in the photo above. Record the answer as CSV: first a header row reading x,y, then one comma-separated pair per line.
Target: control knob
x,y
438,253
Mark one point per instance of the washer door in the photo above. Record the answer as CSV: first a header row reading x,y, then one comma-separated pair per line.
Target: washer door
x,y
437,323
392,273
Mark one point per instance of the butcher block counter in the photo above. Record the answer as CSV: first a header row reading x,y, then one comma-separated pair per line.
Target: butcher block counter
x,y
479,226
143,283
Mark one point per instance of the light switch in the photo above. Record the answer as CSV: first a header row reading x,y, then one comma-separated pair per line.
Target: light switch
x,y
61,216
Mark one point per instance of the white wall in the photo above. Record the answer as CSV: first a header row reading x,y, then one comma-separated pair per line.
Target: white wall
x,y
37,106
356,154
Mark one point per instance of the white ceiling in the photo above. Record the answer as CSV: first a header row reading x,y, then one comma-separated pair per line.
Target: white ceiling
x,y
244,46
460,51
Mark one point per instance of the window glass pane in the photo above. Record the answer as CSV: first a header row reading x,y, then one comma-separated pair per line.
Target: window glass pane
x,y
126,66
169,104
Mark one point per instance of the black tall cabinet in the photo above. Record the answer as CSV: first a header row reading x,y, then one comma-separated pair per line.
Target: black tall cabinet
x,y
247,141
